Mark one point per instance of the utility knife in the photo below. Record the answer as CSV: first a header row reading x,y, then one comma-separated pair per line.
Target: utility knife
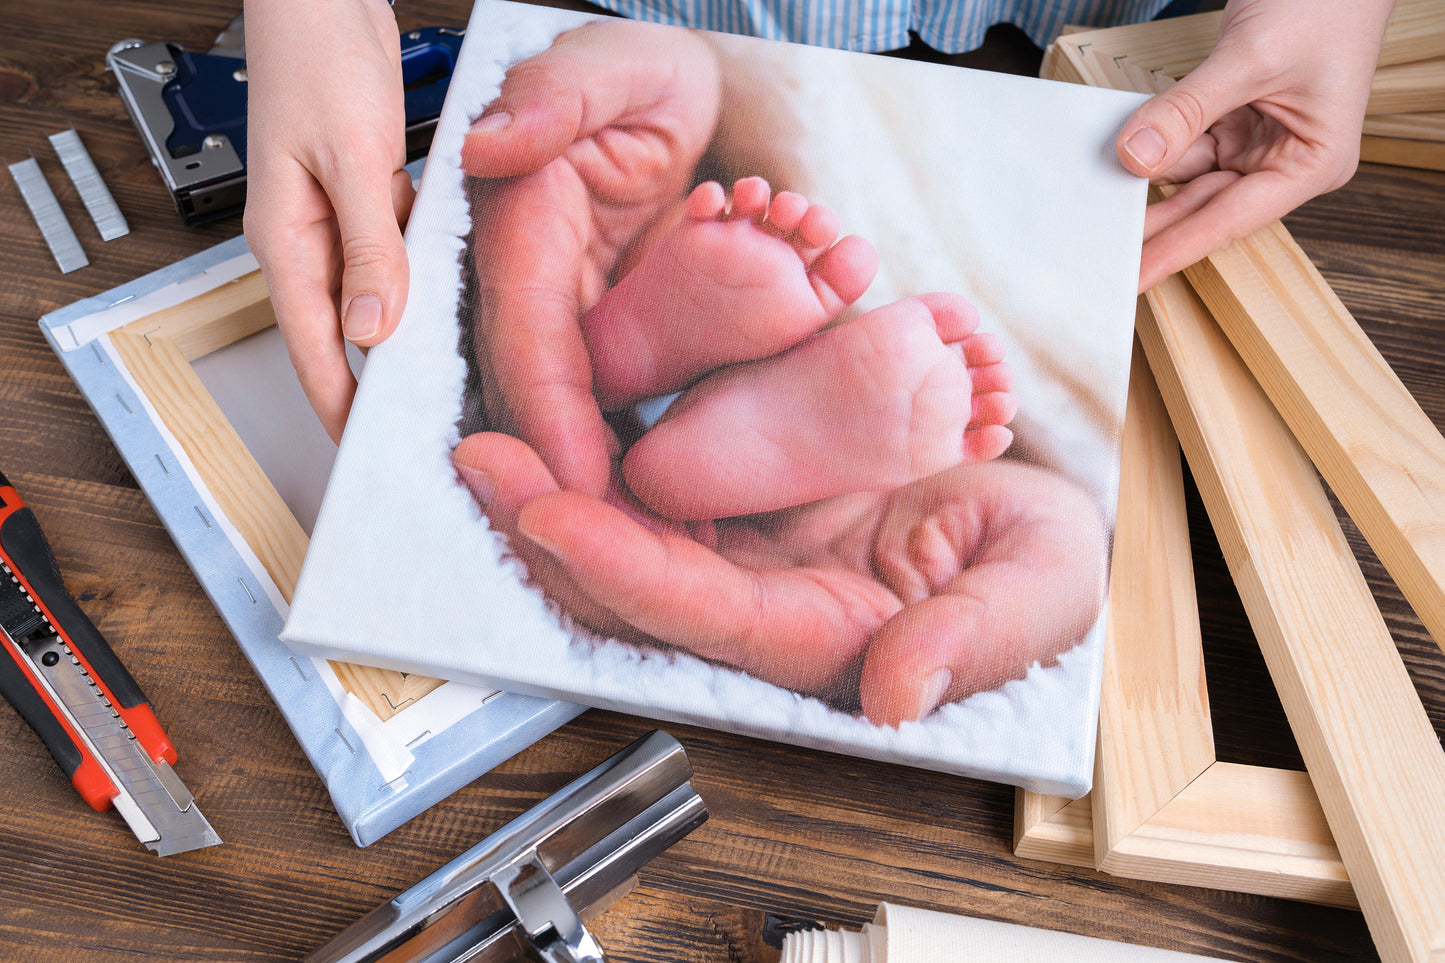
x,y
58,671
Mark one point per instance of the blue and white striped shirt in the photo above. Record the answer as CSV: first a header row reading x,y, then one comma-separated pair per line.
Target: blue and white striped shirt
x,y
951,26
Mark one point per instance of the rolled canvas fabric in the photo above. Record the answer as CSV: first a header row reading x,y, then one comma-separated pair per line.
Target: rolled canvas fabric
x,y
903,934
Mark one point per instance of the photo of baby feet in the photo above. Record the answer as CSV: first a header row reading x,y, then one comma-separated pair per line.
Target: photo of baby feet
x,y
894,395
723,280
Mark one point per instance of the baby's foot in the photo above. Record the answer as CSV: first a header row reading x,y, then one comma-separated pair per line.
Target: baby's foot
x,y
894,395
722,285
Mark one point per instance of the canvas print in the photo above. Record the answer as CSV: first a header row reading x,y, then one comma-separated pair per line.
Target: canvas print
x,y
752,385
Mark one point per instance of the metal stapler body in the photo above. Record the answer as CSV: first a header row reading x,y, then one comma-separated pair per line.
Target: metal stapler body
x,y
190,109
523,892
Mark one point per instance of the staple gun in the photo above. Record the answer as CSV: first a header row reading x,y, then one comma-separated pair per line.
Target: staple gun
x,y
190,109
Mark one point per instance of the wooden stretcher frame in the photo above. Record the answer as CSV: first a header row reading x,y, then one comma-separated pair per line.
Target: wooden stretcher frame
x,y
1406,96
386,745
1368,746
1163,808
1370,749
157,350
1173,47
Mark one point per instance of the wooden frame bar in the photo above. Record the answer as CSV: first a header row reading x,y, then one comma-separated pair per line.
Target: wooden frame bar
x,y
1427,127
1372,754
157,351
1162,807
1155,731
1408,88
1380,453
1423,154
1173,47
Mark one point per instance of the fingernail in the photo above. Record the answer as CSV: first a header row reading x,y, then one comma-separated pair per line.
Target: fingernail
x,y
541,543
933,691
363,317
490,123
1146,146
482,486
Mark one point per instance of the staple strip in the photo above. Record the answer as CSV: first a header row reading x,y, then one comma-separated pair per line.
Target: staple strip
x,y
109,221
58,233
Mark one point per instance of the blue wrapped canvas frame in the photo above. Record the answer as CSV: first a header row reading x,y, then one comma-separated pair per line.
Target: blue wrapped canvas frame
x,y
387,746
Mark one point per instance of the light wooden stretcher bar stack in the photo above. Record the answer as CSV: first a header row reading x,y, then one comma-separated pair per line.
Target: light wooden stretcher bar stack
x,y
1267,380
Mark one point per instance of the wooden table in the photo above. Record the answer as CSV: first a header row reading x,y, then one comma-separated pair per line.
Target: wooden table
x,y
792,832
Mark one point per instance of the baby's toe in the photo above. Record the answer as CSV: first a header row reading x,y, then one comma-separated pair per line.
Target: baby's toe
x,y
786,212
707,201
818,228
954,316
986,443
843,272
993,408
750,198
992,377
983,348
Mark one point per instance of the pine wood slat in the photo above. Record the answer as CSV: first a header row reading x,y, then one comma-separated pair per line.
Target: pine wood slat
x,y
1375,760
1400,152
1378,451
1155,732
1428,127
1408,88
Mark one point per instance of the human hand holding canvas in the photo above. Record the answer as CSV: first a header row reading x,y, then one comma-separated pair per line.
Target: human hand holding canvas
x,y
1269,120
326,190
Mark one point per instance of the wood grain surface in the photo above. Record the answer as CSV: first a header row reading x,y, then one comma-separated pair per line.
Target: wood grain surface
x,y
1374,757
792,833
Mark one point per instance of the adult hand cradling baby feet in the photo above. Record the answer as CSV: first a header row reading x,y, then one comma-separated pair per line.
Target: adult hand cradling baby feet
x,y
947,586
846,533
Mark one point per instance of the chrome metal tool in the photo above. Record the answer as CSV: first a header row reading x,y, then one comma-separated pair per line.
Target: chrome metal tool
x,y
523,892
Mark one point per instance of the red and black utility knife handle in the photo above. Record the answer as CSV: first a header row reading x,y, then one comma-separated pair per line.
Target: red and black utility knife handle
x,y
25,550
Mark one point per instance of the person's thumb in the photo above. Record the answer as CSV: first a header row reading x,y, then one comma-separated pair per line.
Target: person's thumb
x,y
1161,131
537,115
374,266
